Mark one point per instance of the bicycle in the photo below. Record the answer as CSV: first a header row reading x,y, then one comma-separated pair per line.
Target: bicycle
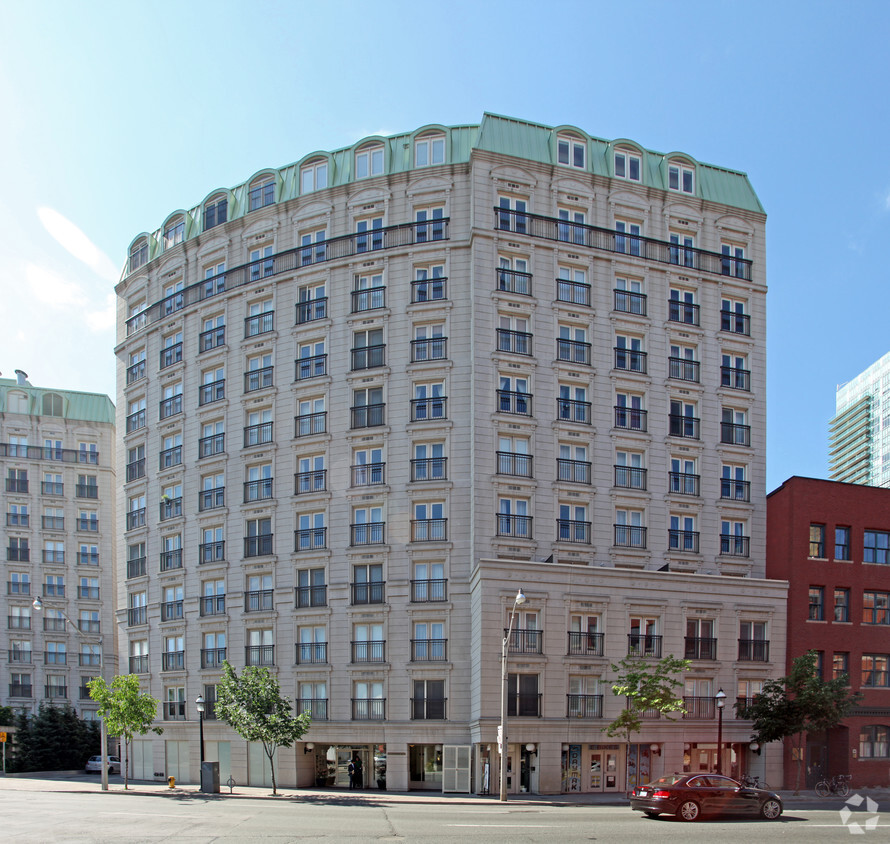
x,y
839,785
753,782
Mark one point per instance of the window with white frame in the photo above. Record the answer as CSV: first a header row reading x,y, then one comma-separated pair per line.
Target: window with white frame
x,y
513,517
314,175
261,262
435,229
628,165
369,161
174,232
262,193
682,249
429,150
512,213
571,228
627,237
216,211
681,177
629,529
570,151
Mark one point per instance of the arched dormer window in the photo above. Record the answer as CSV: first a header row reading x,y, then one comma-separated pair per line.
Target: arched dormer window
x,y
429,149
262,193
314,175
18,401
138,254
681,177
571,151
369,161
216,211
52,404
628,164
174,232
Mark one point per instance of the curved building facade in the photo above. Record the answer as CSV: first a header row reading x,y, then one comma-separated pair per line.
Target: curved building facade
x,y
364,397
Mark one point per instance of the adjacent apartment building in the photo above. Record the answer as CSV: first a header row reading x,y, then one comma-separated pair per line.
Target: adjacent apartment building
x,y
57,451
365,397
831,542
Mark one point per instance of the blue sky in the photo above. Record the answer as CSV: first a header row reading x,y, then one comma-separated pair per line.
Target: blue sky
x,y
114,114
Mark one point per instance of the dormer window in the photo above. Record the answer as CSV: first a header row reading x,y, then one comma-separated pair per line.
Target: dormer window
x,y
262,193
570,152
369,161
174,232
429,150
628,165
216,212
138,255
681,177
52,404
314,176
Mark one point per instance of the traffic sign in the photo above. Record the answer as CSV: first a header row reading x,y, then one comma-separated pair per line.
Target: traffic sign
x,y
2,737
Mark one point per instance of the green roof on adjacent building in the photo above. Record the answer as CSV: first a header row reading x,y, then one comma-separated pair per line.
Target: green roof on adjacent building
x,y
73,405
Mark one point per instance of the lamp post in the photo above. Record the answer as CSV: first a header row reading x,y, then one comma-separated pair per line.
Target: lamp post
x,y
502,738
720,698
37,603
199,704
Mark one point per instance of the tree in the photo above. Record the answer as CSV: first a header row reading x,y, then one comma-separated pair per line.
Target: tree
x,y
798,704
646,685
125,710
253,707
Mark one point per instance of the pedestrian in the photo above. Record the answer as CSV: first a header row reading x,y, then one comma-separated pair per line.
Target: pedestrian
x,y
358,780
351,770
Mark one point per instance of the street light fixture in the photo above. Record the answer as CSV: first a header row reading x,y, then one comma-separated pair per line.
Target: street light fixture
x,y
199,704
38,605
502,738
720,698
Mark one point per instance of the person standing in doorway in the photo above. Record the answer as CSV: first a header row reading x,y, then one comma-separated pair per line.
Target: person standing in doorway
x,y
357,779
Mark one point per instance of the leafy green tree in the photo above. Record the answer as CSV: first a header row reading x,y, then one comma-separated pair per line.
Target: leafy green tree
x,y
125,709
253,707
798,704
646,685
6,716
54,739
21,760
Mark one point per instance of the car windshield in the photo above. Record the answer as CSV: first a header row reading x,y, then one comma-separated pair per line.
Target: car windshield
x,y
673,779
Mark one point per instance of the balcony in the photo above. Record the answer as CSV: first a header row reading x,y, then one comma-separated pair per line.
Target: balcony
x,y
55,658
573,471
639,644
628,302
573,351
512,463
524,705
18,554
54,625
259,655
170,457
258,434
313,366
137,616
630,477
307,424
311,310
519,404
368,474
139,664
735,323
585,644
310,539
429,591
584,706
311,653
631,418
630,360
174,710
17,485
368,299
519,527
211,499
429,469
259,324
212,657
258,379
313,481
88,593
684,312
259,600
429,290
20,690
573,292
608,240
135,421
367,533
18,622
52,488
93,660
684,426
630,536
212,605
170,355
310,596
136,470
211,392
516,342
433,348
368,357
367,416
135,567
699,708
571,410
136,372
211,552
735,379
258,546
683,540
260,490
429,530
684,369
53,692
732,545
513,281
734,434
525,641
173,661
37,452
368,709
209,446
54,557
428,708
369,592
684,483
88,524
425,410
753,650
170,406
573,530
369,651
316,707
211,339
429,650
18,587
736,490
20,656
52,522
697,647
170,508
171,611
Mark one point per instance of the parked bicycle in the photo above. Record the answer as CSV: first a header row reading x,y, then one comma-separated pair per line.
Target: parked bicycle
x,y
753,782
839,785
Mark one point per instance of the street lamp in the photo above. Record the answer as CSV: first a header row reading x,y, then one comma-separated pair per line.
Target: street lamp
x,y
720,698
502,738
199,704
37,603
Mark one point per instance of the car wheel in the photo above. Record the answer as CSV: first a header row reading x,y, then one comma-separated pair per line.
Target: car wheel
x,y
689,811
770,809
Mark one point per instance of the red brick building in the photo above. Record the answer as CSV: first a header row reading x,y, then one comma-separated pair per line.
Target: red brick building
x,y
831,542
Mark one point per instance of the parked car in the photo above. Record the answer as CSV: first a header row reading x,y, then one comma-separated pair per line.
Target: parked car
x,y
94,765
690,796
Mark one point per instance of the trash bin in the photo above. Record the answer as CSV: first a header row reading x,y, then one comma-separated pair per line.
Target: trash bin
x,y
210,777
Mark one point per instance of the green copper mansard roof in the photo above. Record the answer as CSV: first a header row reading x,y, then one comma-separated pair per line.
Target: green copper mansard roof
x,y
497,134
87,407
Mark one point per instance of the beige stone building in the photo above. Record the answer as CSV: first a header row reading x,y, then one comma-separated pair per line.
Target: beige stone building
x,y
364,397
57,451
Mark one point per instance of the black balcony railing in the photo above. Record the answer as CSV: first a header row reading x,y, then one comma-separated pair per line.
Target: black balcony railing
x,y
643,644
517,342
259,600
429,591
259,655
136,567
753,650
732,545
211,499
21,656
573,530
593,237
311,653
313,366
573,351
735,378
51,556
513,281
51,692
316,707
135,421
368,709
52,522
429,650
736,490
86,491
312,310
429,290
684,426
520,704
368,474
512,463
211,552
368,357
139,664
209,446
309,539
211,392
18,587
136,371
371,592
684,483
307,424
170,355
258,434
211,339
52,488
584,706
516,526
584,644
630,536
429,530
173,661
54,625
525,641
366,651
368,415
702,708
631,360
735,323
311,596
258,546
423,410
170,406
683,540
630,477
212,605
258,379
18,622
432,348
212,657
19,554
519,404
573,292
170,457
734,434
88,593
368,299
259,490
697,647
312,481
428,708
136,469
174,710
367,533
629,302
55,658
684,369
259,324
573,471
429,469
136,616
631,418
39,452
171,611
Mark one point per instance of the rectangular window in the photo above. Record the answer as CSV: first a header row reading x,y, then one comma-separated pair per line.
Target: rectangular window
x,y
817,603
842,543
840,665
627,165
873,743
369,162
875,670
841,604
876,544
876,607
570,152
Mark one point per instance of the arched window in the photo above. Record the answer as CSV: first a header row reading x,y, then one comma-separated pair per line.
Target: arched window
x,y
216,211
429,150
174,232
18,402
262,193
369,161
873,742
314,175
138,254
52,404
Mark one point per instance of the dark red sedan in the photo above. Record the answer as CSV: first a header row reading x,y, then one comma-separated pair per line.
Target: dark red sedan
x,y
690,796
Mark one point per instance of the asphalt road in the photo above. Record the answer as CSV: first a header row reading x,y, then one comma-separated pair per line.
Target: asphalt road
x,y
77,816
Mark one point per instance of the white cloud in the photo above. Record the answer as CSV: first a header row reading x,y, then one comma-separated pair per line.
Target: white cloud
x,y
103,320
78,244
51,288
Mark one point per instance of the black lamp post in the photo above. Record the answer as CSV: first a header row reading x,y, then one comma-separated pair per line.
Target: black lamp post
x,y
199,703
720,698
502,733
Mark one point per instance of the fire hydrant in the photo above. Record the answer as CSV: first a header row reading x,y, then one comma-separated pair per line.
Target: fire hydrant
x,y
171,782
